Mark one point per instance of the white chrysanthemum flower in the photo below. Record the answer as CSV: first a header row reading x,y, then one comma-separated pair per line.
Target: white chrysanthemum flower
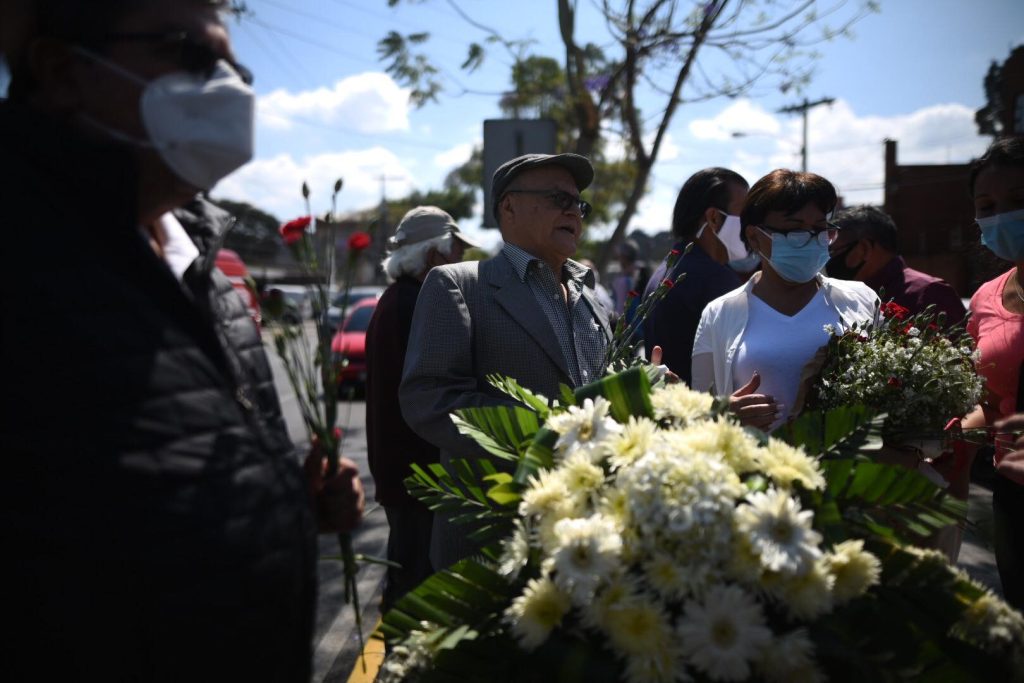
x,y
779,531
546,496
410,657
786,464
582,477
637,627
679,402
515,550
536,612
855,570
723,438
807,596
632,442
994,625
722,636
587,552
583,426
666,576
662,666
790,659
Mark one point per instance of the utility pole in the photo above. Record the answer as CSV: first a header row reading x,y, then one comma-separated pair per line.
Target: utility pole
x,y
803,109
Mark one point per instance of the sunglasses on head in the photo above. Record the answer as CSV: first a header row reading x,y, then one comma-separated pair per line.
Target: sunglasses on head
x,y
191,54
560,200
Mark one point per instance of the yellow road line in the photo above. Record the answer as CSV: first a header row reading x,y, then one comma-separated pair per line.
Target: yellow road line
x,y
372,658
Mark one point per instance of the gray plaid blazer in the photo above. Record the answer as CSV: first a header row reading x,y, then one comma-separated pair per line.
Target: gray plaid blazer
x,y
475,319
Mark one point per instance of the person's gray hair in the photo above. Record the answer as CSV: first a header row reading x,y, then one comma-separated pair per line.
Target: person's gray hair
x,y
411,260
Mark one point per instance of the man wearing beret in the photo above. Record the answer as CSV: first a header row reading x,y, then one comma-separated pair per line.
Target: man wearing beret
x,y
426,237
529,313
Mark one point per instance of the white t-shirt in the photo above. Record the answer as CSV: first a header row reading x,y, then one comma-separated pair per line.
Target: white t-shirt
x,y
778,346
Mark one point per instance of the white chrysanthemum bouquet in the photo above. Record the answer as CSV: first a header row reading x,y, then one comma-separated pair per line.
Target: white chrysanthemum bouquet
x,y
646,537
910,367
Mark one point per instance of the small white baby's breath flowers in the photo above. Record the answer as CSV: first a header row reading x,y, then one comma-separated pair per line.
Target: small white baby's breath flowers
x,y
724,634
779,531
854,568
535,613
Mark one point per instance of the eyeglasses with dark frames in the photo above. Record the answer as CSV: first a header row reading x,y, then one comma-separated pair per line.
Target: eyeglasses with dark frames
x,y
801,238
560,200
193,55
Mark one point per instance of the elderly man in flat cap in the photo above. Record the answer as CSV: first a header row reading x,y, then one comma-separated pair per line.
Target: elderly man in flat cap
x,y
529,313
426,237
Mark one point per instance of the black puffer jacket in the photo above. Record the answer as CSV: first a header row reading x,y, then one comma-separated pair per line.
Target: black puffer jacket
x,y
155,522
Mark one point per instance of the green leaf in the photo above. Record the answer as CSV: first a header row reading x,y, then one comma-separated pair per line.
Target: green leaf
x,y
503,431
629,393
515,390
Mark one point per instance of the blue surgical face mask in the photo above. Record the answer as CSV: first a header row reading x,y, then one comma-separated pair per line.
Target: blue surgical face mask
x,y
796,264
1003,235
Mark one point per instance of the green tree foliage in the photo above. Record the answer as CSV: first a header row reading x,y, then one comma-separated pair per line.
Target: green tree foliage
x,y
990,118
254,235
661,54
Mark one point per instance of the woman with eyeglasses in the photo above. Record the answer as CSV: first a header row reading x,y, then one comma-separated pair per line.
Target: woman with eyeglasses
x,y
752,344
997,324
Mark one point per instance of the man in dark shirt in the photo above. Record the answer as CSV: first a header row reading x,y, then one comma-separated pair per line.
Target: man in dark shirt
x,y
426,237
866,250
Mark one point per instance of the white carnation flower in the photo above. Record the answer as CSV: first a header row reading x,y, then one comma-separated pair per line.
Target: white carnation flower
x,y
779,531
724,634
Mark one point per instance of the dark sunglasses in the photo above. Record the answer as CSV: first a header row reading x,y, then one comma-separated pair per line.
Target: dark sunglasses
x,y
560,200
194,56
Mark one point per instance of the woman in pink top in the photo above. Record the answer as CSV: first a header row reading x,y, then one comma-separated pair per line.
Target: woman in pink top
x,y
997,323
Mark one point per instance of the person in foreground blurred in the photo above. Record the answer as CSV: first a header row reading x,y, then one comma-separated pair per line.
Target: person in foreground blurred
x,y
752,344
157,523
997,324
707,213
867,250
425,237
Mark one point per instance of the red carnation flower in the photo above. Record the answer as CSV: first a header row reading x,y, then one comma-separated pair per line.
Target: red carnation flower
x,y
358,241
667,284
293,230
894,310
632,294
894,382
675,252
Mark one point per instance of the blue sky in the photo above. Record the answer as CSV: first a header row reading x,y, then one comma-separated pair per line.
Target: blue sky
x,y
912,72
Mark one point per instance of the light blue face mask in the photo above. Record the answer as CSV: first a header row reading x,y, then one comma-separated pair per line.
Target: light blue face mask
x,y
1003,235
797,264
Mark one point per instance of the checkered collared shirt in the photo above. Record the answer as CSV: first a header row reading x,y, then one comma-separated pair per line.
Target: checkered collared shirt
x,y
579,333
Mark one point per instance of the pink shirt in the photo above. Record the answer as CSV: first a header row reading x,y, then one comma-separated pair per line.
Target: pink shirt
x,y
1000,337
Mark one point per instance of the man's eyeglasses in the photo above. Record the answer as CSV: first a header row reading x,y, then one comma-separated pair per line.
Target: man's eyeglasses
x,y
560,200
801,238
194,56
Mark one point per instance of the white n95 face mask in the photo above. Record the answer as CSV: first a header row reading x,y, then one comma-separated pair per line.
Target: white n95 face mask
x,y
201,126
729,236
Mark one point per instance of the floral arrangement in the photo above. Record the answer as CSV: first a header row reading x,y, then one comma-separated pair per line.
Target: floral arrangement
x,y
311,369
645,536
909,367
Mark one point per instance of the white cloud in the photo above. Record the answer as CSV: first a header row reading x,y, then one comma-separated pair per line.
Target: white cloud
x,y
367,103
274,184
456,156
742,116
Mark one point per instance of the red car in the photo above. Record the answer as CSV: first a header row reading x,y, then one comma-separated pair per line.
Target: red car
x,y
348,348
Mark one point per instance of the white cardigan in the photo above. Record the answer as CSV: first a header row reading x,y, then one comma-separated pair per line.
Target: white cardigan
x,y
724,320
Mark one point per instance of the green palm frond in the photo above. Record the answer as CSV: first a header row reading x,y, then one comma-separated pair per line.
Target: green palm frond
x,y
514,389
628,392
503,431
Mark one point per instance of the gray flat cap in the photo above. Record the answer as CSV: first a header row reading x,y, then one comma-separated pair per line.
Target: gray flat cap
x,y
424,223
579,166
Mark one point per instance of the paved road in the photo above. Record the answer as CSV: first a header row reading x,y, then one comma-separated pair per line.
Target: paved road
x,y
337,642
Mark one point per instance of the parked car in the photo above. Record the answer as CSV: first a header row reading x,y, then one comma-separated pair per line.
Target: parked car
x,y
355,295
348,347
298,305
233,267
